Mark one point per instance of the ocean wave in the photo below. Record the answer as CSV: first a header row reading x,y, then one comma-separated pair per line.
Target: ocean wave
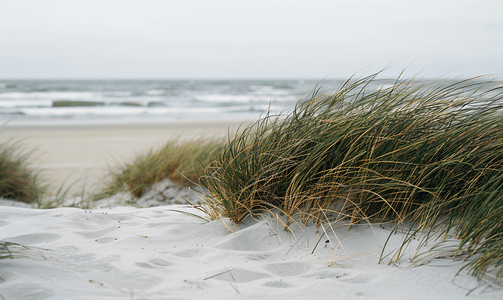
x,y
25,103
132,110
118,94
215,98
261,87
35,100
139,99
155,92
50,95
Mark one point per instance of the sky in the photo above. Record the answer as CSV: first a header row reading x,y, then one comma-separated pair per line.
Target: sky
x,y
248,39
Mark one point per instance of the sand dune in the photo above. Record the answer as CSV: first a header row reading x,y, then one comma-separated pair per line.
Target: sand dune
x,y
158,253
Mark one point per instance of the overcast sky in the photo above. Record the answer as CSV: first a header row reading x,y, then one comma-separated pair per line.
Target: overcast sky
x,y
248,39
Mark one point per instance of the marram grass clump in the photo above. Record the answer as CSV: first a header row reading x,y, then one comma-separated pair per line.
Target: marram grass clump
x,y
18,181
429,152
180,161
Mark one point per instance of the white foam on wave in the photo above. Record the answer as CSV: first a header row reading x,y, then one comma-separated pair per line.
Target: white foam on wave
x,y
51,95
25,103
118,93
142,99
133,110
155,92
243,98
37,100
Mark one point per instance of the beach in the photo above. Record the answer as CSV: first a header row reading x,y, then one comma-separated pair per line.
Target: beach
x,y
177,252
82,155
276,150
161,253
126,248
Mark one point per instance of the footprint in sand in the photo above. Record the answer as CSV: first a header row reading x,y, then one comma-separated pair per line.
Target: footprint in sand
x,y
287,268
153,264
361,279
144,265
237,275
238,244
71,254
97,233
105,240
190,253
159,262
277,284
34,238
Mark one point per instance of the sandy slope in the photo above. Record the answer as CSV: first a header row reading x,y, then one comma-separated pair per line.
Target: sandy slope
x,y
158,253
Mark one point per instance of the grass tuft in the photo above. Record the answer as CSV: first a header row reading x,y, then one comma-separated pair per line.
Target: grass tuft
x,y
181,162
17,180
21,182
428,152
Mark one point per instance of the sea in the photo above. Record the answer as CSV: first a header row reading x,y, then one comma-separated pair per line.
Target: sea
x,y
62,102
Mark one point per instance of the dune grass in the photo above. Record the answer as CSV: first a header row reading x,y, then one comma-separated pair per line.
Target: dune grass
x,y
18,181
180,161
426,152
14,250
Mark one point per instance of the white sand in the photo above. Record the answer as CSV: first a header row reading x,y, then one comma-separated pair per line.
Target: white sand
x,y
157,253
